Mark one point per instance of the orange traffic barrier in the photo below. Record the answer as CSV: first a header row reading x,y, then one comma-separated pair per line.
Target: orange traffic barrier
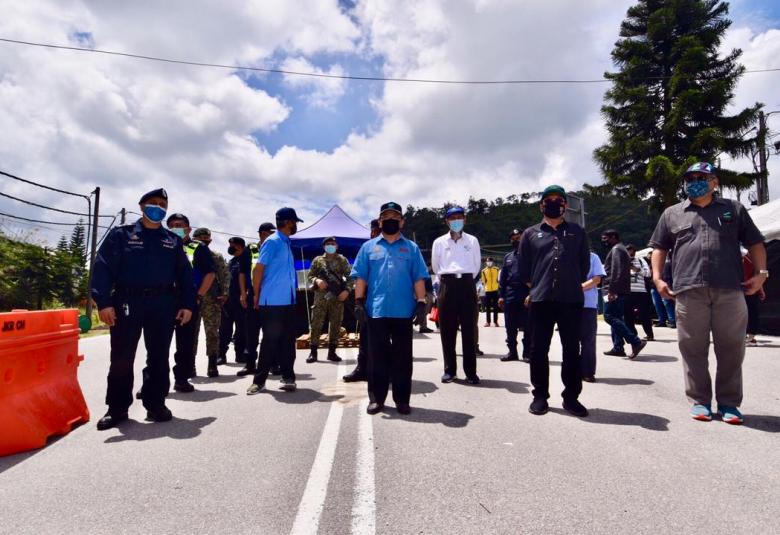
x,y
39,391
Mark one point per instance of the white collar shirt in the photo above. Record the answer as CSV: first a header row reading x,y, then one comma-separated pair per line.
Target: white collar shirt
x,y
456,257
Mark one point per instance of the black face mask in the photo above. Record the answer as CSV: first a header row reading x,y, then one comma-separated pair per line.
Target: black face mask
x,y
391,226
516,245
231,250
294,229
553,208
606,244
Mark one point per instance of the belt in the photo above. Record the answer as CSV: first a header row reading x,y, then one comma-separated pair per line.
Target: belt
x,y
128,291
456,276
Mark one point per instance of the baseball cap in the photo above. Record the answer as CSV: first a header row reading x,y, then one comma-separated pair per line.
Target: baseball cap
x,y
549,190
159,192
700,167
394,206
236,240
455,210
266,227
177,217
287,214
515,232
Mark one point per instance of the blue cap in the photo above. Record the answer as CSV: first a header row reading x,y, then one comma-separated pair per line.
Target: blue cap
x,y
287,214
159,192
455,210
700,167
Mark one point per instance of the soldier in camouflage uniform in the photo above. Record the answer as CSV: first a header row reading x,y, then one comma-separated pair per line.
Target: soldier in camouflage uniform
x,y
211,296
329,276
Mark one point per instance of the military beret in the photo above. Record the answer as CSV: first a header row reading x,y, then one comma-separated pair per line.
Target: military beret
x,y
330,238
201,231
160,192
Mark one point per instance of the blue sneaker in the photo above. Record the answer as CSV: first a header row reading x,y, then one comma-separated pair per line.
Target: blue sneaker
x,y
701,413
731,415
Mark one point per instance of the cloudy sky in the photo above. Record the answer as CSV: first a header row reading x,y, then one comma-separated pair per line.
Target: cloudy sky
x,y
231,147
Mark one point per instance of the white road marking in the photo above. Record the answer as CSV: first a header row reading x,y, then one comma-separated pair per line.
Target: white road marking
x,y
307,521
364,507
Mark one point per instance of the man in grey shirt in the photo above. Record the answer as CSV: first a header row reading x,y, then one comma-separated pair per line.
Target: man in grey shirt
x,y
706,232
617,285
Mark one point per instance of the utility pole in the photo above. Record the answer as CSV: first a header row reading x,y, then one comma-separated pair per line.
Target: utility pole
x,y
123,214
762,186
93,252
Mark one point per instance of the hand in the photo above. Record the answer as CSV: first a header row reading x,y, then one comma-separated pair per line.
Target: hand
x,y
183,316
663,289
527,301
611,297
321,284
752,285
108,316
343,296
501,303
242,300
360,313
762,294
419,314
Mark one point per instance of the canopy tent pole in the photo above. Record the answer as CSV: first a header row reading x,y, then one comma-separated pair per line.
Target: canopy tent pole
x,y
306,288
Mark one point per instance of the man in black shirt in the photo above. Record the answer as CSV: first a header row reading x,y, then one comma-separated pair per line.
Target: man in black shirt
x,y
512,293
554,262
234,311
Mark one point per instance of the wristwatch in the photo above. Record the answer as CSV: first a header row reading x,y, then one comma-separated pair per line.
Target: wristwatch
x,y
764,272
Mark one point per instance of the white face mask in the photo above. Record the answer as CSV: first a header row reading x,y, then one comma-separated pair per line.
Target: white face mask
x,y
489,264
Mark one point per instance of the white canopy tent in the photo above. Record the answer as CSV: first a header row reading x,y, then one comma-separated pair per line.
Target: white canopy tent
x,y
767,219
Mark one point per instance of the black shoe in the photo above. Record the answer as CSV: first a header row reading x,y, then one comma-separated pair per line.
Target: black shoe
x,y
636,348
221,361
161,414
246,370
312,355
138,395
539,406
473,380
111,420
185,387
672,325
425,330
447,378
355,376
288,385
576,408
374,408
332,356
479,352
526,359
509,357
589,379
403,408
615,353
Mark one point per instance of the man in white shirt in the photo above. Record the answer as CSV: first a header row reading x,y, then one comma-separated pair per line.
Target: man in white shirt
x,y
456,260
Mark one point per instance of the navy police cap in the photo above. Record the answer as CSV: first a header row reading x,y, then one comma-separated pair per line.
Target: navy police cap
x,y
177,217
266,227
394,206
700,167
287,214
160,192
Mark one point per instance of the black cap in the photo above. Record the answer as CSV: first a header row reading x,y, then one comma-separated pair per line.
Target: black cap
x,y
235,240
515,232
177,217
330,238
287,214
394,206
489,259
160,192
375,224
266,227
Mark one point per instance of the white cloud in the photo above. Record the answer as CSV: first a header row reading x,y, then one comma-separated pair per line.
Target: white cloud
x,y
321,92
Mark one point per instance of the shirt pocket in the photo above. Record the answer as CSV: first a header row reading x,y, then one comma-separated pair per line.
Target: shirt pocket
x,y
682,234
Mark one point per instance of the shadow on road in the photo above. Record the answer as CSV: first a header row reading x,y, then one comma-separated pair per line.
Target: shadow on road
x,y
623,381
655,358
762,422
509,386
222,379
200,395
178,428
608,417
430,416
12,460
301,396
424,359
423,387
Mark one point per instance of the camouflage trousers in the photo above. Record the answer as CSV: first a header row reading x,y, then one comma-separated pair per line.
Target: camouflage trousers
x,y
211,316
333,309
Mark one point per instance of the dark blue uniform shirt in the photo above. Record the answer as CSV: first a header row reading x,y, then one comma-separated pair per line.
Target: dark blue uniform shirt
x,y
511,287
240,264
134,257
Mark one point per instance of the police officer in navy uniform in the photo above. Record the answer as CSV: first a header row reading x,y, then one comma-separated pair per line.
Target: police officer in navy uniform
x,y
141,282
512,293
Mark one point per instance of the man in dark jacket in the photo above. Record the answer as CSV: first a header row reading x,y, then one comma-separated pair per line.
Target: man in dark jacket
x,y
617,285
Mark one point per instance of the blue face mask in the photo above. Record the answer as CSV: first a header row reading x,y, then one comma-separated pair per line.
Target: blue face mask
x,y
330,249
697,188
154,213
180,232
456,225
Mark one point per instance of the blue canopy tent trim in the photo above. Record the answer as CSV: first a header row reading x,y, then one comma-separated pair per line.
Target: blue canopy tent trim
x,y
307,243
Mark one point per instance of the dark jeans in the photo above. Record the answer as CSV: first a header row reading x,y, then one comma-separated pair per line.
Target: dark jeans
x,y
155,317
664,308
639,311
614,315
184,357
516,319
588,328
390,355
233,315
457,308
753,303
544,316
491,305
278,345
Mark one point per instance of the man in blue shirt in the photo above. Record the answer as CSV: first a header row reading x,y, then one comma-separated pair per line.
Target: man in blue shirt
x,y
589,324
275,283
390,276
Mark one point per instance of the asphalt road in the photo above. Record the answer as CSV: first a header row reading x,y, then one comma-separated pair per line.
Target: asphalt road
x,y
469,459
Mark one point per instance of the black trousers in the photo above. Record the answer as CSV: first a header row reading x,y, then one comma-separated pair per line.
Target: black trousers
x,y
254,323
278,345
362,356
588,328
516,319
184,357
233,316
491,305
639,307
457,308
390,355
544,316
753,304
154,316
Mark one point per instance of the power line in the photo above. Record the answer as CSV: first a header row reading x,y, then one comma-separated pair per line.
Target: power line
x,y
48,207
336,76
46,222
43,185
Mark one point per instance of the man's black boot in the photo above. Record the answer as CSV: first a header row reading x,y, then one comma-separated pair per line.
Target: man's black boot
x,y
332,356
212,370
312,354
355,375
111,420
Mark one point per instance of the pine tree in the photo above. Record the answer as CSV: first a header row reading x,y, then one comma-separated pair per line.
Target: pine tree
x,y
78,252
666,107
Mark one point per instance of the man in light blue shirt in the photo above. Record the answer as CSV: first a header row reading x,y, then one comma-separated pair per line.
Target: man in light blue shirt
x,y
275,282
589,324
389,292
